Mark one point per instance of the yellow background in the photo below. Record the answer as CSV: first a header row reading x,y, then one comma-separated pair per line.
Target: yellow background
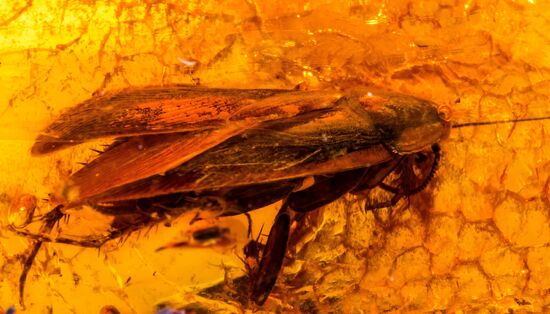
x,y
477,239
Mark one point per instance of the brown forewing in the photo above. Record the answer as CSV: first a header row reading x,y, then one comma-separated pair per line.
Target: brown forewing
x,y
144,156
173,109
319,142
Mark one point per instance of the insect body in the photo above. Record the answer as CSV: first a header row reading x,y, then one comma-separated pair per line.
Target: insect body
x,y
178,148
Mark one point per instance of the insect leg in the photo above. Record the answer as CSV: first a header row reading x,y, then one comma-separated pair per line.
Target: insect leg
x,y
247,198
429,164
249,219
272,258
322,192
50,219
376,174
236,212
121,225
90,242
325,190
409,175
251,253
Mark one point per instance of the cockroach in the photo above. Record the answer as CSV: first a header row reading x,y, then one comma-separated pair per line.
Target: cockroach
x,y
178,148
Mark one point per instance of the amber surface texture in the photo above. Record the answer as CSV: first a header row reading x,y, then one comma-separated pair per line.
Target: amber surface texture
x,y
476,240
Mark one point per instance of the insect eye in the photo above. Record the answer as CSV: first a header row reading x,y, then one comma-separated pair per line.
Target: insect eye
x,y
445,113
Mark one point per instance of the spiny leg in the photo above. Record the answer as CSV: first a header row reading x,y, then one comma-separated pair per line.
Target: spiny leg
x,y
121,225
325,190
414,172
374,178
248,198
411,174
249,219
50,219
427,164
376,174
328,189
252,256
89,242
271,261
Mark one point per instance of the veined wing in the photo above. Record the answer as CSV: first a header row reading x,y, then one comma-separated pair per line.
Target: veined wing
x,y
320,142
140,157
173,109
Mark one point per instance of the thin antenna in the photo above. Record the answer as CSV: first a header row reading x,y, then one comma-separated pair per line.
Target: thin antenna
x,y
462,125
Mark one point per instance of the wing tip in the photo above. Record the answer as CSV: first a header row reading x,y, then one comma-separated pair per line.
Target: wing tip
x,y
46,144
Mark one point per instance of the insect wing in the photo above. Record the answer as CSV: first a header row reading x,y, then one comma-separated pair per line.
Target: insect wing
x,y
144,156
323,141
171,109
162,127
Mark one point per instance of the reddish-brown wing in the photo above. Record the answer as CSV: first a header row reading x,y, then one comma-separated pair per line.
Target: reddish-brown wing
x,y
173,109
160,128
140,157
319,142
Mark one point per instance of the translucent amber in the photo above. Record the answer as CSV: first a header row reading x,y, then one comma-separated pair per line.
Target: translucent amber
x,y
477,239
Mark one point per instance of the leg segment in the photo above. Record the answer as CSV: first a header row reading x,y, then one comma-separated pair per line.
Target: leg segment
x,y
413,174
325,190
401,177
264,278
120,226
50,219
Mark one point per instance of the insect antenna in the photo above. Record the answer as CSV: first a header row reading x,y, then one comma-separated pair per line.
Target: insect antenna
x,y
468,124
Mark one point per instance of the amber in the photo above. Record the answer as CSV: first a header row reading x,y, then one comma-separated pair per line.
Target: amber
x,y
476,240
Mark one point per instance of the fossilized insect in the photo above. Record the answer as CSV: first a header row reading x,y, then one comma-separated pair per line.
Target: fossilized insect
x,y
178,148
